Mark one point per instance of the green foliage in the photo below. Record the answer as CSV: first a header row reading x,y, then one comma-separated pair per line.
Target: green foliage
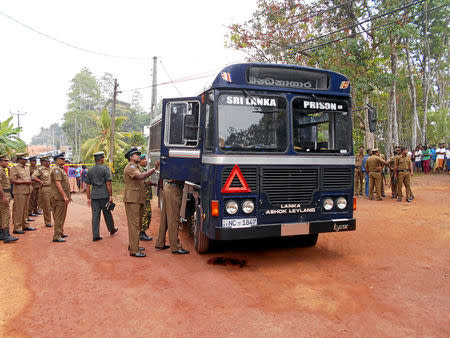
x,y
53,135
119,165
9,139
102,142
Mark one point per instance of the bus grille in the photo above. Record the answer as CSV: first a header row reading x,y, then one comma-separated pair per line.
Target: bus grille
x,y
337,178
250,175
295,185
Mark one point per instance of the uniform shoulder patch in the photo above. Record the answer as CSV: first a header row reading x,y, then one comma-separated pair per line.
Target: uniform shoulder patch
x,y
56,171
133,166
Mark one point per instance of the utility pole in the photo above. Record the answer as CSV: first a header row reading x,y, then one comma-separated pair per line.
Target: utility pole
x,y
113,122
153,102
18,119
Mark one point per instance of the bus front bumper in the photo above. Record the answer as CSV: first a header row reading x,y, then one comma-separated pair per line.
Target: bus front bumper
x,y
287,229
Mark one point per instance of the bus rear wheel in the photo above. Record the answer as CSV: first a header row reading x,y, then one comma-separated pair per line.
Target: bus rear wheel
x,y
307,240
201,241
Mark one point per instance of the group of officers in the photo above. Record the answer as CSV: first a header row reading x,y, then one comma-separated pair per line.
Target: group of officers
x,y
47,187
371,166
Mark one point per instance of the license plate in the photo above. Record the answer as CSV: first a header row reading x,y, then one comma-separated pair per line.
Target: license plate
x,y
239,223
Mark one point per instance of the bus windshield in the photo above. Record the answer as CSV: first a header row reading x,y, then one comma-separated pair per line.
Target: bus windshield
x,y
252,123
323,127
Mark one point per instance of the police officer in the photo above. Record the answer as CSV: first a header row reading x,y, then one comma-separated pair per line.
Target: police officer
x,y
21,180
33,206
147,213
134,198
392,171
170,218
59,196
374,165
99,177
42,177
5,189
359,175
403,171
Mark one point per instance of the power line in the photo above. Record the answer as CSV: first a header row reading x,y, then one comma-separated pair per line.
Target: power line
x,y
167,73
67,44
364,31
354,25
316,13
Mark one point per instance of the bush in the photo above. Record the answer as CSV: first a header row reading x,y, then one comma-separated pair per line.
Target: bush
x,y
119,165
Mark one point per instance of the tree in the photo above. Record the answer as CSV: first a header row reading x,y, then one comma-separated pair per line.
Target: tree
x,y
9,139
102,141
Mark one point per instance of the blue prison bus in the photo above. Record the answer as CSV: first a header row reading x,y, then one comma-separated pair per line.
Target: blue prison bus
x,y
265,151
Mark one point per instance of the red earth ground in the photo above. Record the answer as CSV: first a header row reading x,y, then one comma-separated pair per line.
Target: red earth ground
x,y
390,277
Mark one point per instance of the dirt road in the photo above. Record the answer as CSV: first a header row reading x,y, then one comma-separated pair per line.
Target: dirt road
x,y
388,278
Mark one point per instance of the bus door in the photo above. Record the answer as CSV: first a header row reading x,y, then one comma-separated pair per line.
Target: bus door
x,y
180,139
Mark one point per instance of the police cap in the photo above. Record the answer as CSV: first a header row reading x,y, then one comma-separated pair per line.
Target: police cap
x,y
99,154
21,155
131,152
32,158
4,157
45,158
375,150
60,155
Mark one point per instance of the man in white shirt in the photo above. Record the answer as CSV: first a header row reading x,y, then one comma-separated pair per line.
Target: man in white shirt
x,y
418,159
440,155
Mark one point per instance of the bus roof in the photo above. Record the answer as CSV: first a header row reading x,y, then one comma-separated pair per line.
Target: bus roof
x,y
281,77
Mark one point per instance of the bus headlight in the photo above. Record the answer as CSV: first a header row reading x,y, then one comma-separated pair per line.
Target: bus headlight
x,y
341,203
231,207
248,206
328,203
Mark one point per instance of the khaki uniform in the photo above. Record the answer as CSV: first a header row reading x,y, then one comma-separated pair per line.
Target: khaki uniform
x,y
4,209
374,165
359,175
170,220
391,163
134,199
383,157
21,195
57,201
33,206
403,165
43,174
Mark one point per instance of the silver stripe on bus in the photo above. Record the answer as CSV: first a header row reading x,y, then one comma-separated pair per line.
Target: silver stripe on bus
x,y
188,153
155,154
277,159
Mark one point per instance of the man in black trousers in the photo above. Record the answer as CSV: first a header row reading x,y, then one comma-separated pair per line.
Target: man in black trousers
x,y
99,177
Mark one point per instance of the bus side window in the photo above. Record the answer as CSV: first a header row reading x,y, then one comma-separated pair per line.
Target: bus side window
x,y
174,123
190,126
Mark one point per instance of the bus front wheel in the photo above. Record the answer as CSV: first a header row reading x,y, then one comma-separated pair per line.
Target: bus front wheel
x,y
201,241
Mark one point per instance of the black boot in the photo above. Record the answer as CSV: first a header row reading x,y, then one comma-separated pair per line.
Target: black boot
x,y
7,237
2,234
143,236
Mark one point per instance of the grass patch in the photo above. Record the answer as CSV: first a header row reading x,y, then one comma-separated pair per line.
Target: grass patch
x,y
118,189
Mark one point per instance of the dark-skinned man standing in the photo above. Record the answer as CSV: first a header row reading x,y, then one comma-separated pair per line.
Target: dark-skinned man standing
x,y
5,198
59,196
42,176
99,177
134,198
374,165
403,171
21,180
359,175
33,205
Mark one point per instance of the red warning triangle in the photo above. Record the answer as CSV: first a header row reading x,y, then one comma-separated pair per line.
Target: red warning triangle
x,y
235,172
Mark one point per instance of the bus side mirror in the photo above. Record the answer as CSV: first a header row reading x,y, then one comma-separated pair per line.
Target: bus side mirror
x,y
372,115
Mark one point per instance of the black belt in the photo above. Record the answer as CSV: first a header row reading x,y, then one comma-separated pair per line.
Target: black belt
x,y
176,184
357,167
6,190
375,171
406,170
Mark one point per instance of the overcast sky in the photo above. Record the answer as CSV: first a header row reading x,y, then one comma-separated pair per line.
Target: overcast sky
x,y
35,72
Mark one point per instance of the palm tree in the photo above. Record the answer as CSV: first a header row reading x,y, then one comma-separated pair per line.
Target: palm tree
x,y
9,138
102,141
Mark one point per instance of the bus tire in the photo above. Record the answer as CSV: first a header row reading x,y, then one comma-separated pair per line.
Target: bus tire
x,y
307,240
201,241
